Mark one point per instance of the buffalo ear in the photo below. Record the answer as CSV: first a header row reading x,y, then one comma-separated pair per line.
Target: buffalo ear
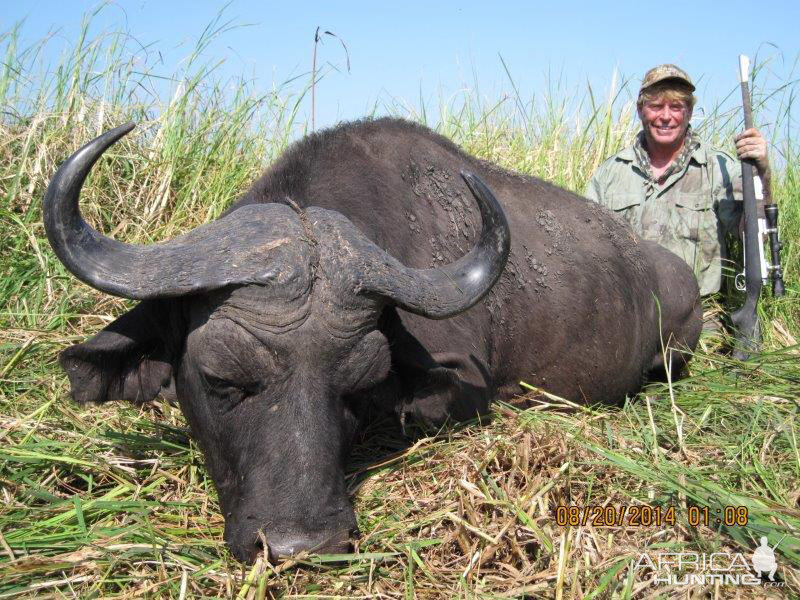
x,y
131,359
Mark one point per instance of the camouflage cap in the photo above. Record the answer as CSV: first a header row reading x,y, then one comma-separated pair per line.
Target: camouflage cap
x,y
663,72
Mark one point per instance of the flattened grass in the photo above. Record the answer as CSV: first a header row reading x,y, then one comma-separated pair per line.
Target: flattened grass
x,y
114,501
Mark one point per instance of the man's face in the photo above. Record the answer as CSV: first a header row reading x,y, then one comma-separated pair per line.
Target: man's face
x,y
665,121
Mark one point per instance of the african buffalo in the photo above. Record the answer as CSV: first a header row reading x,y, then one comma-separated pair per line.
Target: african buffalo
x,y
278,327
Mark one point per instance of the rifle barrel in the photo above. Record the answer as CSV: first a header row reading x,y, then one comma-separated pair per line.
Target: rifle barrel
x,y
745,319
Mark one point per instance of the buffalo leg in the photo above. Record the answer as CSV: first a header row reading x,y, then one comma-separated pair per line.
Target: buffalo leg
x,y
680,308
434,387
456,389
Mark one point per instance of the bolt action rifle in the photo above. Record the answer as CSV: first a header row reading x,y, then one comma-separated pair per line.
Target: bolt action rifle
x,y
757,270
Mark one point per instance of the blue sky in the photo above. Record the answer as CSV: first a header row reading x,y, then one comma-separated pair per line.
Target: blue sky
x,y
400,50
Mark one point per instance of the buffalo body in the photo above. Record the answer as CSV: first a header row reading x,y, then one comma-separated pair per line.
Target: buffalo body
x,y
279,328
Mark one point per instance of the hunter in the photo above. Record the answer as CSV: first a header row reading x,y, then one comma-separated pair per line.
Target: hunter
x,y
671,187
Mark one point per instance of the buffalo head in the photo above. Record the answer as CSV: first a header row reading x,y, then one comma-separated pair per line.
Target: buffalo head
x,y
266,321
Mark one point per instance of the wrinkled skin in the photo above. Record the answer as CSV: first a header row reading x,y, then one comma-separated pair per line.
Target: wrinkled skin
x,y
273,378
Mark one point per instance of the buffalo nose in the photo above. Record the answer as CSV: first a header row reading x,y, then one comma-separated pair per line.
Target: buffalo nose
x,y
285,546
338,543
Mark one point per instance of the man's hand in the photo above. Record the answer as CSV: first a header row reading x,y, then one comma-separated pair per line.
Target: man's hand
x,y
751,145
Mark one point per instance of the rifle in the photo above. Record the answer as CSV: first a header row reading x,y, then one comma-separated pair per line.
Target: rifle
x,y
756,269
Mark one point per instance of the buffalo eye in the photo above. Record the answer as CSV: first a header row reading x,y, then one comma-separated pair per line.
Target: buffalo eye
x,y
227,391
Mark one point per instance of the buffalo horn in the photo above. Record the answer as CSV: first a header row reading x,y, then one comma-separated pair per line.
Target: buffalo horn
x,y
232,250
451,289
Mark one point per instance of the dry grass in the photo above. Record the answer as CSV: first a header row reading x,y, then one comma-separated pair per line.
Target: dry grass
x,y
468,512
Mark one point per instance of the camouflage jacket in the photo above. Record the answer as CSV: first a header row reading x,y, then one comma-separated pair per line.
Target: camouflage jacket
x,y
689,212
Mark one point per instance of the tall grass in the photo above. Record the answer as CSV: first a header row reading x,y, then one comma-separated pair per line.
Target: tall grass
x,y
114,500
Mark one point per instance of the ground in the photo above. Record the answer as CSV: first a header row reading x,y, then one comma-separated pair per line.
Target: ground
x,y
114,500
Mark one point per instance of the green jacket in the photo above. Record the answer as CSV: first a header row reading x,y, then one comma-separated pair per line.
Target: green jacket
x,y
690,213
